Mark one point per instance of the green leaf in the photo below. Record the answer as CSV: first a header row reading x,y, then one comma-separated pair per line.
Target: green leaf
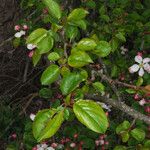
x,y
36,36
47,123
123,127
77,14
70,82
45,93
139,81
16,42
71,31
138,134
130,91
120,36
114,44
147,143
102,49
125,136
86,44
45,44
53,8
40,120
120,147
36,58
53,56
79,23
91,115
99,86
79,59
50,75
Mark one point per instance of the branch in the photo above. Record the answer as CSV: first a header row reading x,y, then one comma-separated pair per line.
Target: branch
x,y
121,106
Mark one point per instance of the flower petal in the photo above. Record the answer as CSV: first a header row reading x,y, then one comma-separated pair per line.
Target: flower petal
x,y
146,60
138,59
147,67
22,32
141,72
134,68
18,35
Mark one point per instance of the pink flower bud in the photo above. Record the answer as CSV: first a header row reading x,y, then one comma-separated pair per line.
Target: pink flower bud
x,y
142,102
139,54
34,148
31,54
17,28
25,27
97,142
75,135
54,145
106,143
107,113
14,135
67,140
136,96
147,109
45,11
73,145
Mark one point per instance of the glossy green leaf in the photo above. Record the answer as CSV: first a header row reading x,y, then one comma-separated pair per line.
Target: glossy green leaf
x,y
147,143
123,127
139,81
130,91
86,44
99,86
70,82
125,136
45,93
79,59
120,147
71,31
102,49
40,120
36,36
91,115
53,56
45,44
53,8
120,36
114,44
36,58
64,71
138,134
47,123
79,23
77,14
50,75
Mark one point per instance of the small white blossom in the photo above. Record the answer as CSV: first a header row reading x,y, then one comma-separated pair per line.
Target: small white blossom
x,y
143,64
31,46
32,116
103,105
123,50
142,102
22,32
18,35
50,148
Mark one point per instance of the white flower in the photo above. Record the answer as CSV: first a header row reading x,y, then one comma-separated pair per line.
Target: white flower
x,y
20,34
141,66
50,148
32,116
31,46
142,102
123,50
